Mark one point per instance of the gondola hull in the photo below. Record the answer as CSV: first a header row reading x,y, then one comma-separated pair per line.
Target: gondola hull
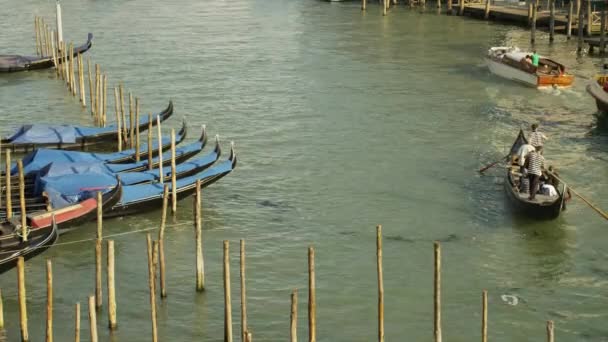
x,y
15,63
543,207
91,138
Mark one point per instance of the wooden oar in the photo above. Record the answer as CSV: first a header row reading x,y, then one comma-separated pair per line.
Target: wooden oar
x,y
591,205
492,164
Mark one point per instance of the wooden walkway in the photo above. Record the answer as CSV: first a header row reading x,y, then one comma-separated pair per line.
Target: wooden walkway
x,y
517,15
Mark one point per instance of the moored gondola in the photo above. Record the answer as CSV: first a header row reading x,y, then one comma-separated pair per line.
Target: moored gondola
x,y
146,197
544,206
14,63
70,137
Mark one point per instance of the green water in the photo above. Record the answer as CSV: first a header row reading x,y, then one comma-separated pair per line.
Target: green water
x,y
342,121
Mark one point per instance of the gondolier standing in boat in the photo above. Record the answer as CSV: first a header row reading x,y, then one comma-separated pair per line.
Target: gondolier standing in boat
x,y
535,163
537,138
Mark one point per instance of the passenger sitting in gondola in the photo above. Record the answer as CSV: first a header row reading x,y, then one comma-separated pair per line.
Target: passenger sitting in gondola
x,y
523,152
534,164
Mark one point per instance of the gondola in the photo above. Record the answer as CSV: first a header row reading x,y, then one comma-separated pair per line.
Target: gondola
x,y
60,172
45,227
13,63
69,210
544,206
35,161
70,137
26,249
146,197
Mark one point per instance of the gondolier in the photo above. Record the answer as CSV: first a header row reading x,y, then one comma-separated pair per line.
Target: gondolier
x,y
534,164
537,138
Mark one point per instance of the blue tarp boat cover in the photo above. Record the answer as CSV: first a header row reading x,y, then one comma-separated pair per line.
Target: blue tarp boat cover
x,y
42,134
68,190
50,134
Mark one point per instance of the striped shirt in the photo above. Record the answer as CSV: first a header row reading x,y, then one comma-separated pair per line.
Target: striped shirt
x,y
535,163
537,138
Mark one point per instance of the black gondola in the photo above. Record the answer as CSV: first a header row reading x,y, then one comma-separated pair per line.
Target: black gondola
x,y
13,63
544,206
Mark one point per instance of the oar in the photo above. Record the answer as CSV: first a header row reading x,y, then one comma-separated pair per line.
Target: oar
x,y
598,210
492,164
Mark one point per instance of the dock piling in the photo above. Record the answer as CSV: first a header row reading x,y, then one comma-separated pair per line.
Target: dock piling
x,y
91,89
97,95
163,218
589,19
200,265
486,14
25,337
111,287
125,135
104,116
551,20
533,23
227,299
92,319
59,22
49,301
312,297
293,317
460,7
569,24
363,5
437,292
83,96
137,152
380,284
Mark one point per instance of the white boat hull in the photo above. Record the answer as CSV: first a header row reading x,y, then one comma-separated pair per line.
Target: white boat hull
x,y
511,73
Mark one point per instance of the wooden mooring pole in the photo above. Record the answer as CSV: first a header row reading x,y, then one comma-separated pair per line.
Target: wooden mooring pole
x,y
92,319
243,292
24,231
150,147
152,287
569,24
118,119
363,5
7,173
77,323
437,293
160,151
312,295
380,284
227,298
551,20
131,114
486,14
1,312
293,317
550,332
603,31
104,117
461,7
580,27
22,299
123,114
83,96
173,175
533,22
589,19
449,5
91,89
49,301
98,241
37,32
484,316
198,227
137,152
384,5
111,287
161,257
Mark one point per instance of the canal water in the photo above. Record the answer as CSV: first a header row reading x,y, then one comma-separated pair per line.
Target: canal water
x,y
342,120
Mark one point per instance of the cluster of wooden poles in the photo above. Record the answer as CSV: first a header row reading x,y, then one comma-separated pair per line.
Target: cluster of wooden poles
x,y
584,17
156,266
47,44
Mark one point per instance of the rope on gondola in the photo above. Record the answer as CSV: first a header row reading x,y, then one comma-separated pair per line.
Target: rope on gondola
x,y
92,239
